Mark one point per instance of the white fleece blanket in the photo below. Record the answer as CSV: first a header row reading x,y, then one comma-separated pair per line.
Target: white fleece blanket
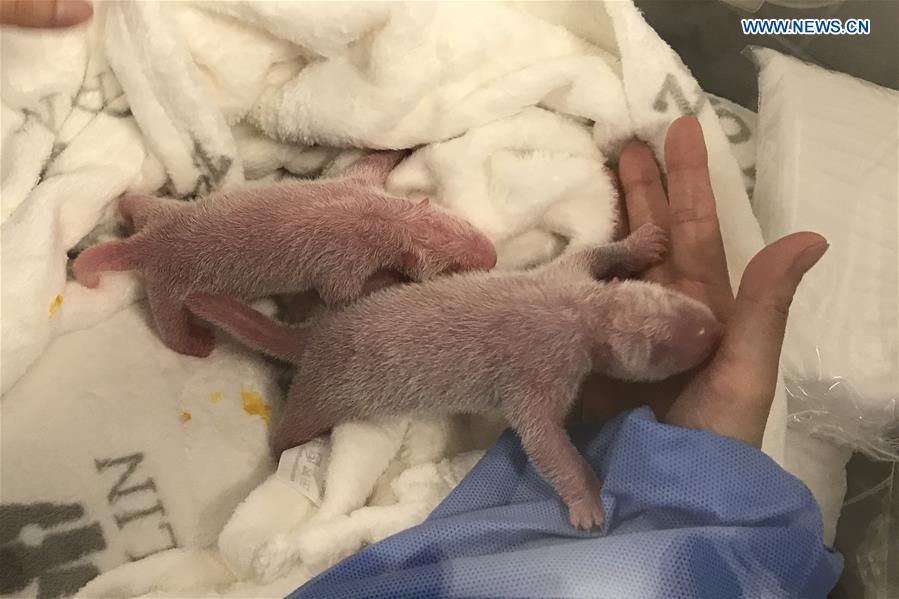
x,y
115,448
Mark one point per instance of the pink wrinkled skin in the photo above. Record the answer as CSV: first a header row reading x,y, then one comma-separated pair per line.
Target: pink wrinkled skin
x,y
517,342
343,238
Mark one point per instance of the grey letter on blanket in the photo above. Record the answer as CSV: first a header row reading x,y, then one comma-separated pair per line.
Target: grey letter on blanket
x,y
670,87
23,560
131,513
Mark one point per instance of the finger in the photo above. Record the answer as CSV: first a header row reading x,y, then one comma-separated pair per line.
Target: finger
x,y
756,329
621,228
44,13
641,183
644,196
697,249
689,186
733,396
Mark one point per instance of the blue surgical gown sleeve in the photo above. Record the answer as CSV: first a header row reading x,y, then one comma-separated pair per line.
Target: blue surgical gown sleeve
x,y
688,514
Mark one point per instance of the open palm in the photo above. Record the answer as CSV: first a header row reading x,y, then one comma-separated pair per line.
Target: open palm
x,y
731,393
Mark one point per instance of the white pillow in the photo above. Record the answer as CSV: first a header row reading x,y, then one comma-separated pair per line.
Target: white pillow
x,y
827,162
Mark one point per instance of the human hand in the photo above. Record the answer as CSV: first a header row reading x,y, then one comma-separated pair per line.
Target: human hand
x,y
730,394
44,14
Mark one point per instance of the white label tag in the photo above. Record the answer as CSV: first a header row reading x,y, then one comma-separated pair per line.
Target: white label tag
x,y
304,468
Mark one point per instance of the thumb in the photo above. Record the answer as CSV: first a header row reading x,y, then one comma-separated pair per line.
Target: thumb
x,y
733,395
759,317
750,350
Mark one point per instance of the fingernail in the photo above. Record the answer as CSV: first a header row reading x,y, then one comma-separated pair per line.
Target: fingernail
x,y
72,12
808,257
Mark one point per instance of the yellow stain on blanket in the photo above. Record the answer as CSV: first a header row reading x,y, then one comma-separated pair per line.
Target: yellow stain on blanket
x,y
54,306
215,396
254,406
185,416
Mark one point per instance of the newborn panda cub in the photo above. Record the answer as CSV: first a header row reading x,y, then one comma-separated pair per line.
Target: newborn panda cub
x,y
517,342
342,237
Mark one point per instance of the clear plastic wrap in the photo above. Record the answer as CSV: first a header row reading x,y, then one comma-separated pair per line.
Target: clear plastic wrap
x,y
827,162
836,411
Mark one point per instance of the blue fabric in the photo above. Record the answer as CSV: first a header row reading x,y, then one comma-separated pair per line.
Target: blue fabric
x,y
688,514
